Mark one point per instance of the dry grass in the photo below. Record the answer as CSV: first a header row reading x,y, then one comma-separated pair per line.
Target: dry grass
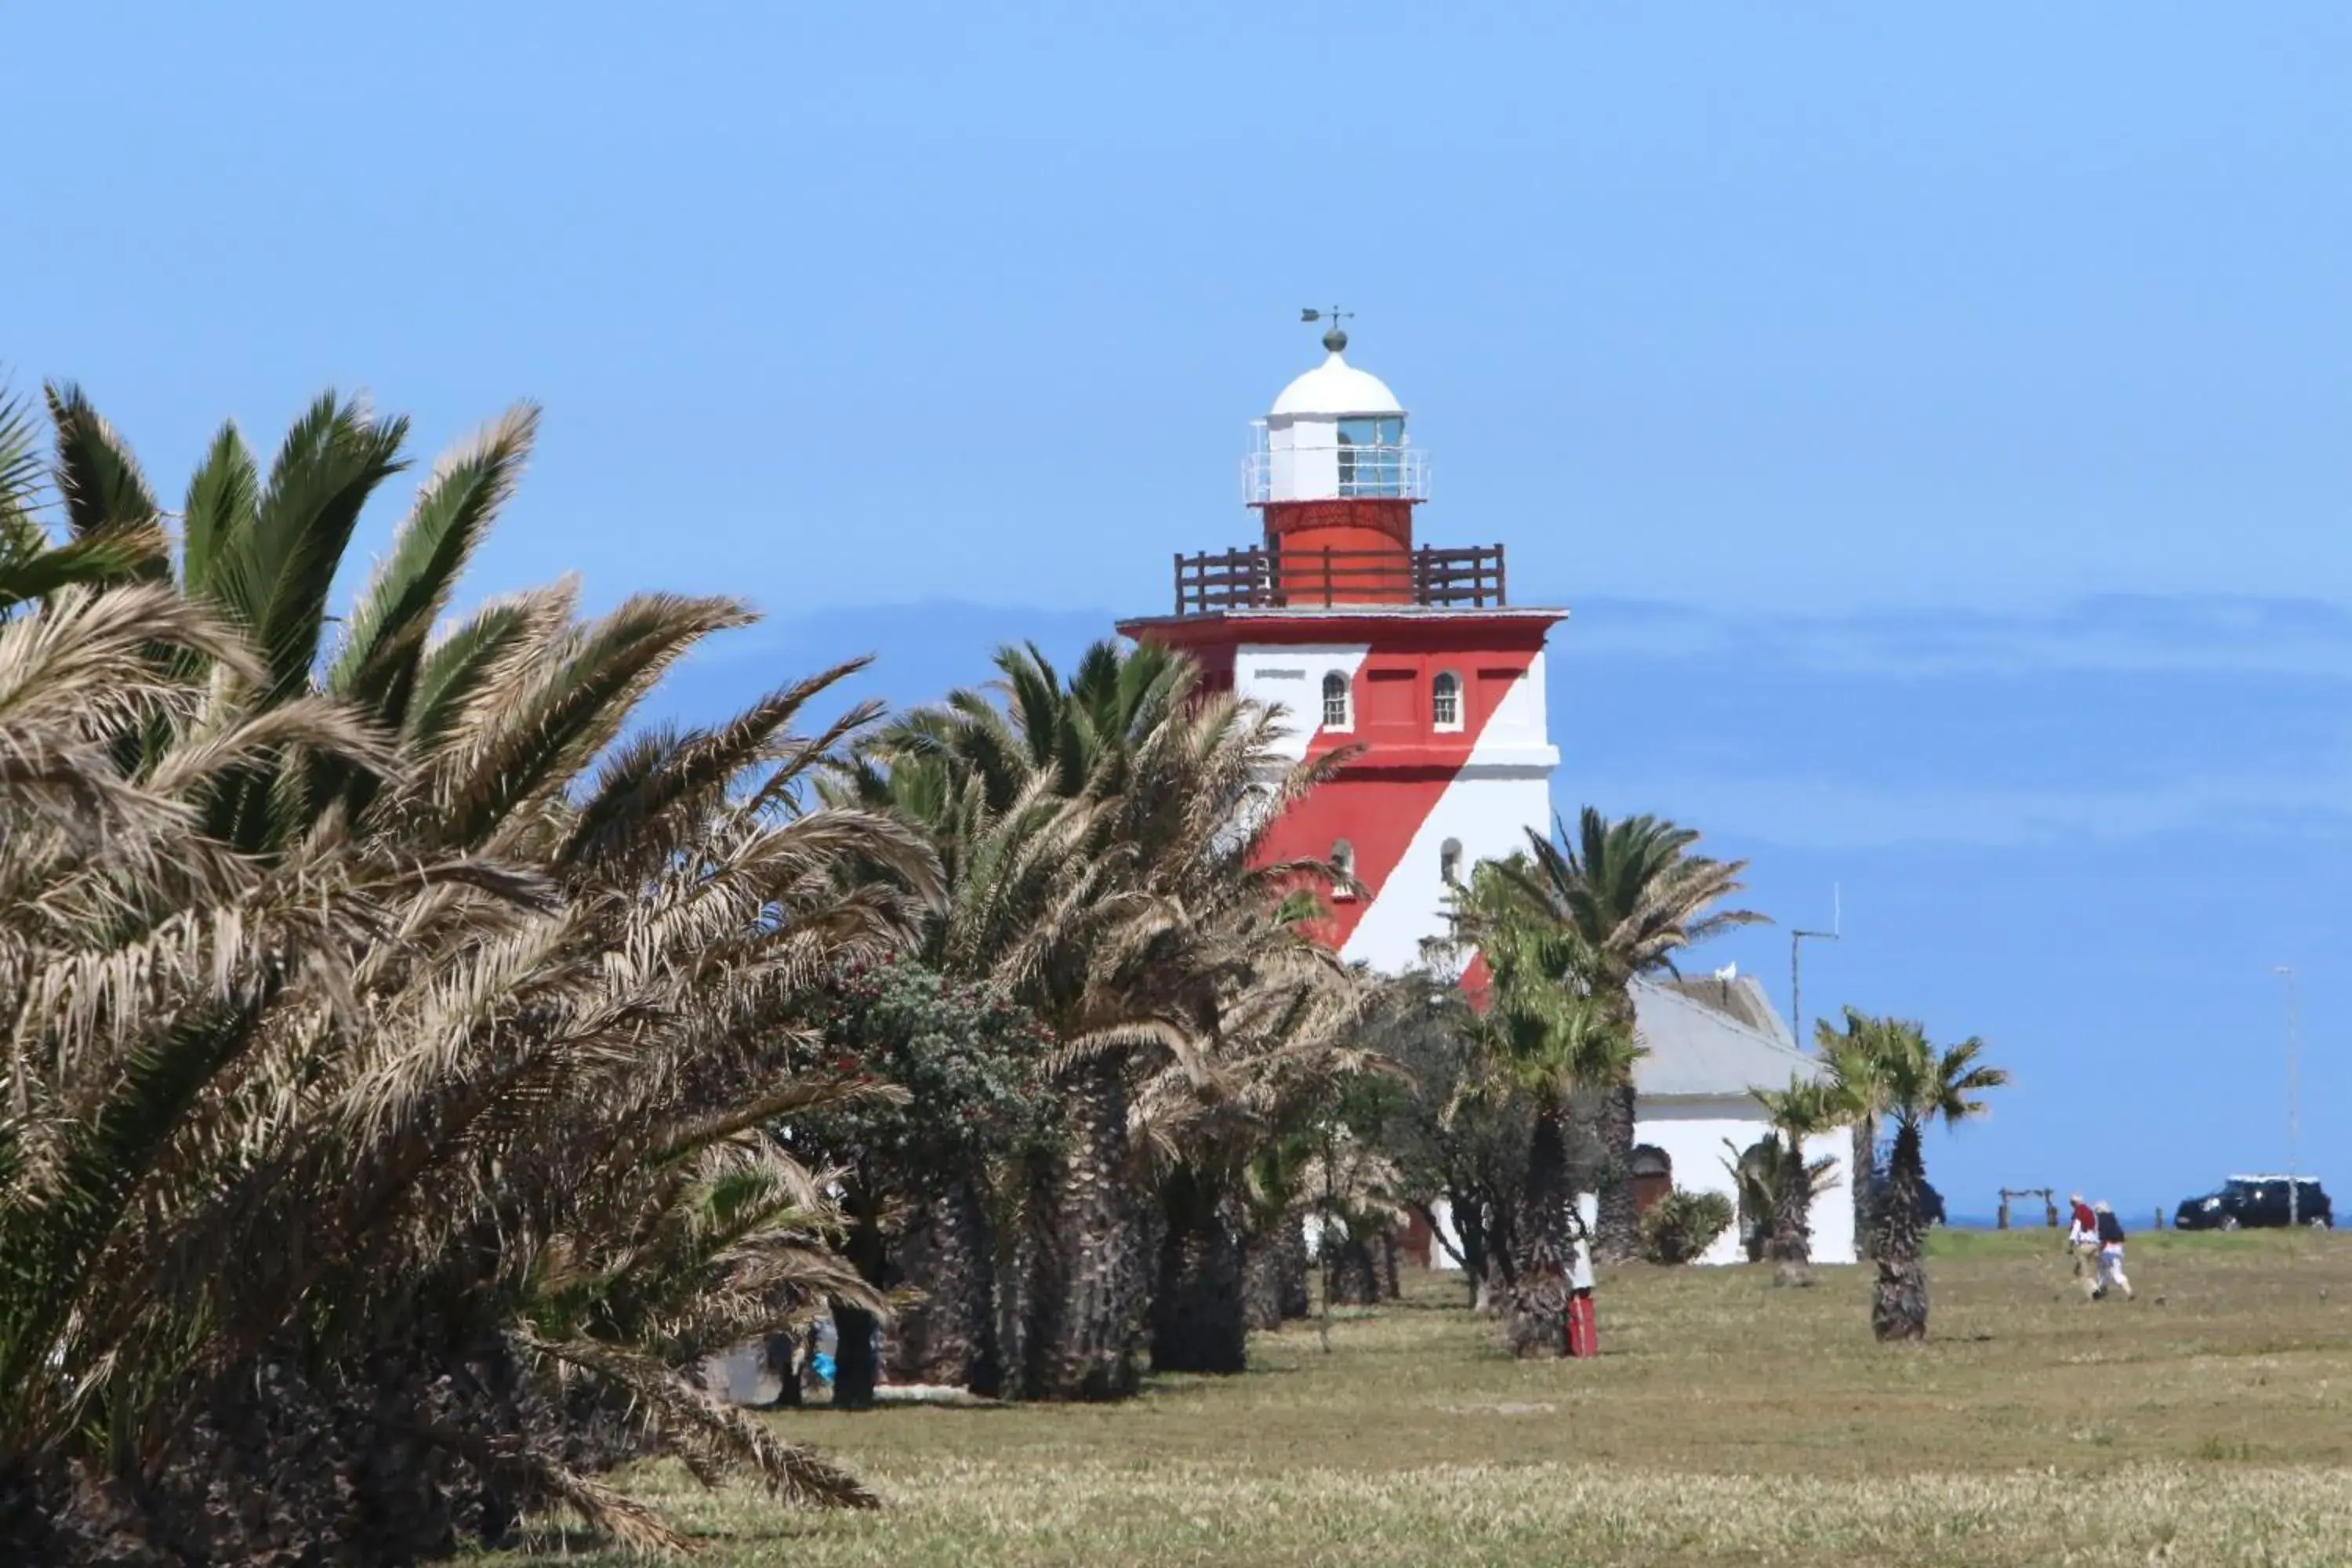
x,y
1726,1423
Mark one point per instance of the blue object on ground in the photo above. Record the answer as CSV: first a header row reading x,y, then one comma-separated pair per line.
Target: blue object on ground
x,y
823,1365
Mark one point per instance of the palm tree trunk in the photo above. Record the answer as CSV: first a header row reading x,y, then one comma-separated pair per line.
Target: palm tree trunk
x,y
1538,1302
1898,1309
857,1369
1470,1230
856,1372
1197,1318
1351,1277
1619,1230
1297,1299
950,1254
780,1353
1273,1274
1035,1277
1792,1236
1262,1276
1862,1173
1087,1320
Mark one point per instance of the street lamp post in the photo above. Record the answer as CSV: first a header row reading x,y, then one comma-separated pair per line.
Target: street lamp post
x,y
2294,1094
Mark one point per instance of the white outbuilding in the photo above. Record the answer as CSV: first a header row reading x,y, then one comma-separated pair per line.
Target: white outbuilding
x,y
1711,1043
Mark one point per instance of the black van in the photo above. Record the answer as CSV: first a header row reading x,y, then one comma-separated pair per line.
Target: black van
x,y
2250,1201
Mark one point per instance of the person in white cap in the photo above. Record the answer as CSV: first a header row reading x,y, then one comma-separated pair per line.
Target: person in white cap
x,y
2111,1255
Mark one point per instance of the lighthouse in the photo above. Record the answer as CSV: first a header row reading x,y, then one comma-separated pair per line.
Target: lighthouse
x,y
1366,638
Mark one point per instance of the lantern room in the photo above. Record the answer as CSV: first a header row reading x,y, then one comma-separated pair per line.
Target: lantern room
x,y
1335,434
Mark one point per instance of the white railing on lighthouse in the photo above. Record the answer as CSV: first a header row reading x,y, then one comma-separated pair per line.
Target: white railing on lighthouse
x,y
1343,470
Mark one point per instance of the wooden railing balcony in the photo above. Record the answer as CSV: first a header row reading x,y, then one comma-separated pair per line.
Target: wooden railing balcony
x,y
1264,578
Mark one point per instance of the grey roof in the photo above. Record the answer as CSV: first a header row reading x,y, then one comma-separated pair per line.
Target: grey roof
x,y
1742,996
1696,1049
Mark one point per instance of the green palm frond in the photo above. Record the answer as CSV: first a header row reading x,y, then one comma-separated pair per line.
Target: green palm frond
x,y
24,478
376,664
32,565
525,750
472,667
274,577
1884,1067
224,497
659,773
97,476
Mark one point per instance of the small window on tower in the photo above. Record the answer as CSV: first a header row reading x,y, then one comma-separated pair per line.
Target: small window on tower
x,y
1335,702
1449,862
1343,866
1446,701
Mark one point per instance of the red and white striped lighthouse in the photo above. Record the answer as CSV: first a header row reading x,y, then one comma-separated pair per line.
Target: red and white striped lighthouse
x,y
1366,638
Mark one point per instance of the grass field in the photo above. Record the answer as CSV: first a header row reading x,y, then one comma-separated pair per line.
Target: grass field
x,y
2210,1421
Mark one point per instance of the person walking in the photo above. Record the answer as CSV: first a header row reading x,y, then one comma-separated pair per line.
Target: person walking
x,y
2111,1255
2083,1241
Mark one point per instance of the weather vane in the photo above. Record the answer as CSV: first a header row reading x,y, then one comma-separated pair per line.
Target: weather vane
x,y
1337,338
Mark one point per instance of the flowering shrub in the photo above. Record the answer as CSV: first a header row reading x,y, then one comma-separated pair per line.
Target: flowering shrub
x,y
965,1056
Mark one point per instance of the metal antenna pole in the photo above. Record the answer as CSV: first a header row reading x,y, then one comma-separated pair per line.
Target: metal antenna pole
x,y
1796,963
1797,939
2294,1093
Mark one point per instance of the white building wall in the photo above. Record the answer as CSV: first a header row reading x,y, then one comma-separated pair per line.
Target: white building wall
x,y
1516,731
1833,1240
1693,1133
1290,677
1488,815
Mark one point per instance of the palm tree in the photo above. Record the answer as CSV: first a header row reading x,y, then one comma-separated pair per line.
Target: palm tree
x,y
1352,1194
1546,1034
1100,838
1274,1059
1629,896
1806,1108
1274,1203
386,1091
1886,1067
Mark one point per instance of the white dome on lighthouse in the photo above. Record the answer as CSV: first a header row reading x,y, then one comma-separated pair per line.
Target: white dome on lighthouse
x,y
1335,388
1335,434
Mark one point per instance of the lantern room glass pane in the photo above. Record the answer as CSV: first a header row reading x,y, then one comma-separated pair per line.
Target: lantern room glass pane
x,y
1371,455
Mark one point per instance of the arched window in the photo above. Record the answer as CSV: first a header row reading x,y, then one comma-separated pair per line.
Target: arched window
x,y
1446,701
1449,862
1335,702
1651,1172
1343,861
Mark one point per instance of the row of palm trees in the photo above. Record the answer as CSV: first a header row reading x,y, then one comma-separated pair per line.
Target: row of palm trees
x,y
418,1066
1878,1070
1561,933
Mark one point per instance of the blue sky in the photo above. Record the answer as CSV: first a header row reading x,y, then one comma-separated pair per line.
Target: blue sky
x,y
1937,421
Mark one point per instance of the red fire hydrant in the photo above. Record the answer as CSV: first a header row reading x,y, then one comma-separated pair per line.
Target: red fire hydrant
x,y
1583,1330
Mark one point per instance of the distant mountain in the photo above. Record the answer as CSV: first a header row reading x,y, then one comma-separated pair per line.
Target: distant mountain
x,y
921,652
